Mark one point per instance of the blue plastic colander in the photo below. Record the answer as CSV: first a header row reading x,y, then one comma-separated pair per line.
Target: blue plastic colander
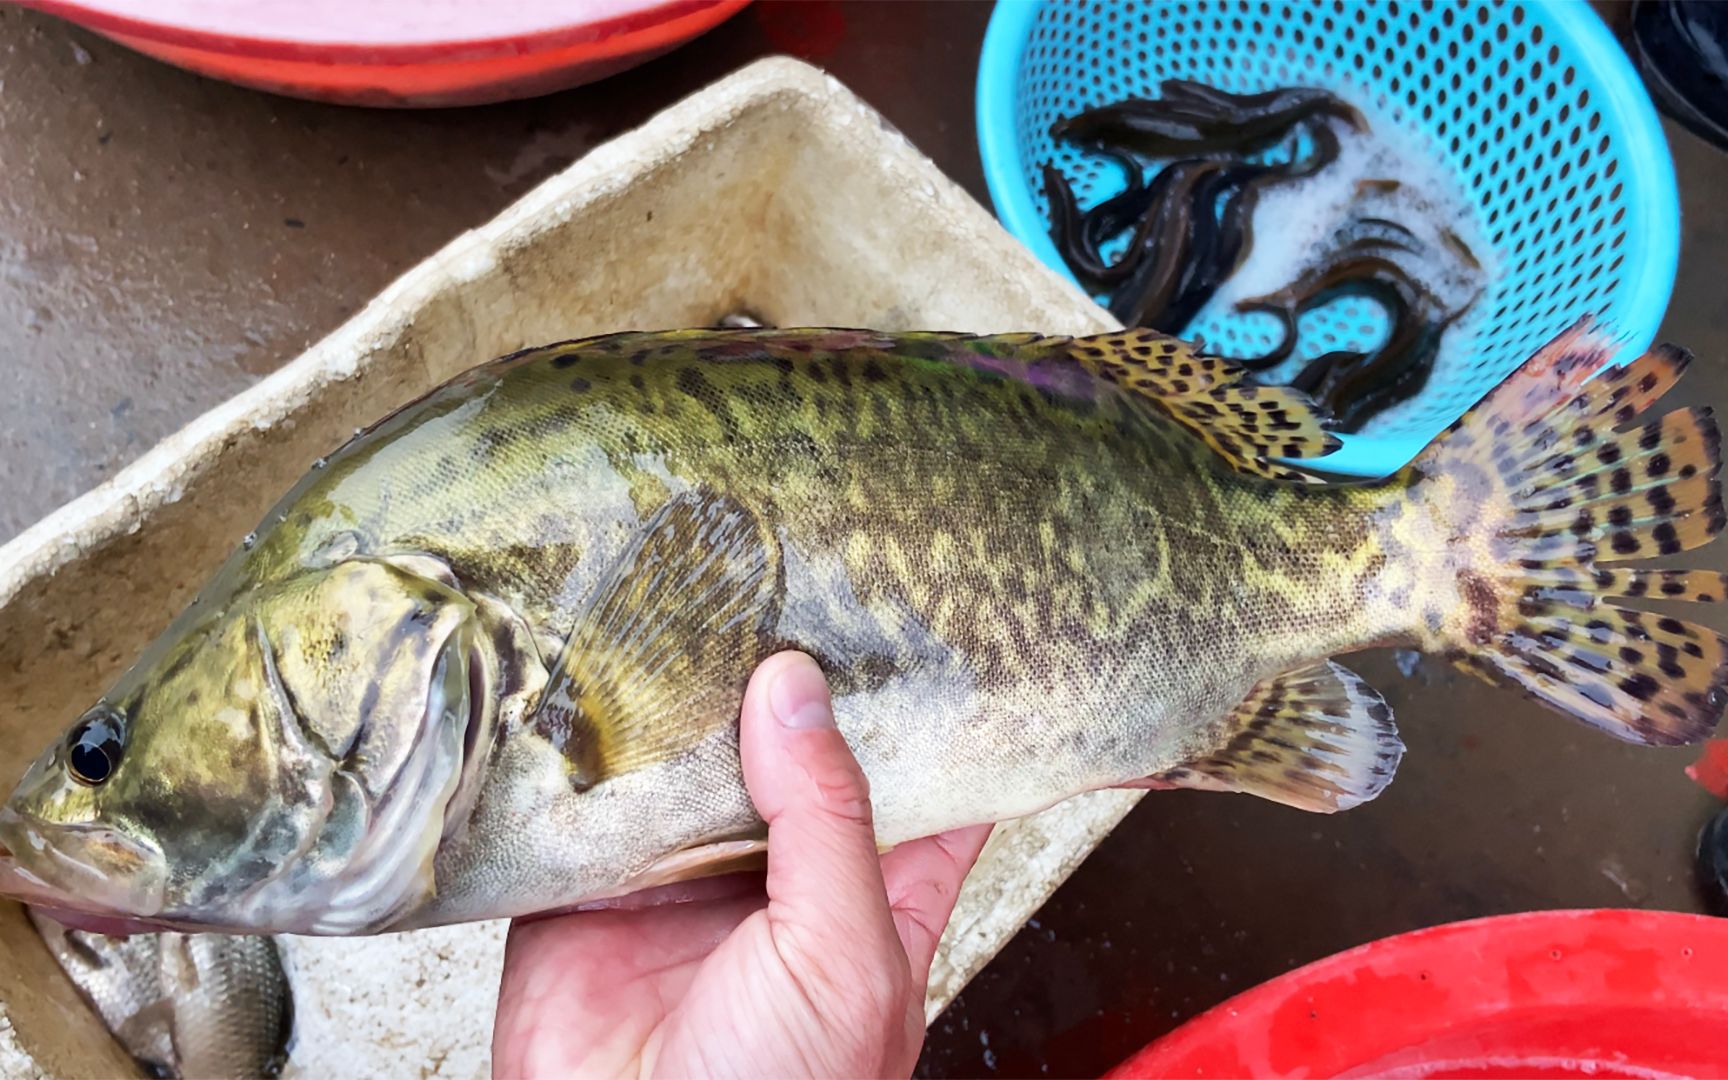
x,y
1530,108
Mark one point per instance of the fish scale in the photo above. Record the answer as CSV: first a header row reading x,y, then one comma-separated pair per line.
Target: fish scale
x,y
1030,567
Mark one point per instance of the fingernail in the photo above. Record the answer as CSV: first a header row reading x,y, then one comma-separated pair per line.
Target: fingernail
x,y
799,696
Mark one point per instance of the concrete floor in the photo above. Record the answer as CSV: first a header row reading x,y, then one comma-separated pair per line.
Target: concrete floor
x,y
165,241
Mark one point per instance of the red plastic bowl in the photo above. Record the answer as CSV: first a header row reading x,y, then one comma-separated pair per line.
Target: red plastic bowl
x,y
1603,994
400,52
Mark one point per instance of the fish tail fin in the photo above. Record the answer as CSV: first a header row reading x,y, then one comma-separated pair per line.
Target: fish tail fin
x,y
1546,480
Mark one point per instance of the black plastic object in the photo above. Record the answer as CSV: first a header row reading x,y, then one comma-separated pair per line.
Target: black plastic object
x,y
1713,863
1681,49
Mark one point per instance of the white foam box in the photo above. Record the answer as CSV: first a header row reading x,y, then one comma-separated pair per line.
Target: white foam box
x,y
775,190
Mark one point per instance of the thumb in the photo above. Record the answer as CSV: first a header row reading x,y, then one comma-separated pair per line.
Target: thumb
x,y
824,873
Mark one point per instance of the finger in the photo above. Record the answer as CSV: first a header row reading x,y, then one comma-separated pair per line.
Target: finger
x,y
823,871
594,952
580,993
923,880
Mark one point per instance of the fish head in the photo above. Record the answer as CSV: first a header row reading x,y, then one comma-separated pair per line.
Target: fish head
x,y
283,764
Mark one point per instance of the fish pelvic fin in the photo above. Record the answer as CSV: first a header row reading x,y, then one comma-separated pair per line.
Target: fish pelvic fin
x,y
1546,480
1317,738
1255,428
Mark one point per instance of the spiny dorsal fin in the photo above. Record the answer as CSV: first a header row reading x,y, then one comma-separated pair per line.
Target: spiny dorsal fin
x,y
1248,424
1318,738
659,659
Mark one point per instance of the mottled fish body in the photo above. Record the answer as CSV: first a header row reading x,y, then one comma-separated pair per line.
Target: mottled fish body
x,y
487,659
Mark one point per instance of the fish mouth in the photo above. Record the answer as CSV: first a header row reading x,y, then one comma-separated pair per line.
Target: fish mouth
x,y
36,869
17,883
106,925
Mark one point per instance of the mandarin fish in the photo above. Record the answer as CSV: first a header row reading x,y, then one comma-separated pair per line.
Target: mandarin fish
x,y
487,659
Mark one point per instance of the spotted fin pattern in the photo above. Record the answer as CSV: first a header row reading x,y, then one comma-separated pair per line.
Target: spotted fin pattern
x,y
1318,739
1248,424
1541,469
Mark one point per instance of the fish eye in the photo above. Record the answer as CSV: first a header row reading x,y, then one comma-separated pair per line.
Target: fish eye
x,y
95,750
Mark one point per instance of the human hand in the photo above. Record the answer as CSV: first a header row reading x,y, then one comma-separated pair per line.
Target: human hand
x,y
823,976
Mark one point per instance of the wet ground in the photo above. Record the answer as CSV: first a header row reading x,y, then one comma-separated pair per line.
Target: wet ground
x,y
166,241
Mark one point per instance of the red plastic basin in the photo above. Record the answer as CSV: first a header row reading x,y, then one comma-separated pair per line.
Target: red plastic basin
x,y
400,52
1605,994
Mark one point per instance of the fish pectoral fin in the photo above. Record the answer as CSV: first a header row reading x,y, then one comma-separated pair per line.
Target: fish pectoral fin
x,y
707,860
659,659
1250,425
1318,739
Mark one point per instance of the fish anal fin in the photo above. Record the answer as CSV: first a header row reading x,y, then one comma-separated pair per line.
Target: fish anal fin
x,y
1318,739
659,658
1250,425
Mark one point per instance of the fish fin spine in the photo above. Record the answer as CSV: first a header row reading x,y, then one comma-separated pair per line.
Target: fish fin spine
x,y
1548,479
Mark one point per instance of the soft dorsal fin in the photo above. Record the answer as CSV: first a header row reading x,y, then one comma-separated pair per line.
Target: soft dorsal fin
x,y
1248,424
659,658
1318,738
